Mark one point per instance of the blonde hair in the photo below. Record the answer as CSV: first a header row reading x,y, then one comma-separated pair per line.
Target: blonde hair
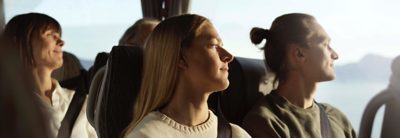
x,y
160,70
130,37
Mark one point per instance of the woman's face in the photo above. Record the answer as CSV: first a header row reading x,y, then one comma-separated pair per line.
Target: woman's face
x,y
319,57
206,61
47,49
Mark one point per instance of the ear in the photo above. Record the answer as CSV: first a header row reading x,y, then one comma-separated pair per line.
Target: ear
x,y
299,53
295,52
182,64
295,56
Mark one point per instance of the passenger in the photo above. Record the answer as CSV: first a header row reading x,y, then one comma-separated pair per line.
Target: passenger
x,y
298,51
21,115
37,38
137,34
184,63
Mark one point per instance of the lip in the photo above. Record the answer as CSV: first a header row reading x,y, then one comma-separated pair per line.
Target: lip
x,y
224,68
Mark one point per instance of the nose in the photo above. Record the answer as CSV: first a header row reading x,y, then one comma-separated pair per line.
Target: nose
x,y
225,56
334,55
60,42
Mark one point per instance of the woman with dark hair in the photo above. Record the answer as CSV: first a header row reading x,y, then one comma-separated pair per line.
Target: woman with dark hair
x,y
37,38
298,51
184,63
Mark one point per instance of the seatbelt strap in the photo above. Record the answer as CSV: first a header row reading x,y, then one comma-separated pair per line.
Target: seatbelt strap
x,y
224,128
74,107
325,125
70,117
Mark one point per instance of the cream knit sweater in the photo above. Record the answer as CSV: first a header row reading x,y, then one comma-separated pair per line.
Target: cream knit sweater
x,y
158,125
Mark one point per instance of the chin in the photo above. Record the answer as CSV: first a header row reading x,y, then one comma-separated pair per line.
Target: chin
x,y
223,85
329,78
58,65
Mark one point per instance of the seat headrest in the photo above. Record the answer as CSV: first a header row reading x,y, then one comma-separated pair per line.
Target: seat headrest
x,y
245,76
71,68
395,77
121,86
99,62
94,89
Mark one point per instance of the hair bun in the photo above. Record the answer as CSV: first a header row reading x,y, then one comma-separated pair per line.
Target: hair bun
x,y
258,34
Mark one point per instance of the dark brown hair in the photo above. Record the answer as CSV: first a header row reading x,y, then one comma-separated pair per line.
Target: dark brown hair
x,y
285,30
20,31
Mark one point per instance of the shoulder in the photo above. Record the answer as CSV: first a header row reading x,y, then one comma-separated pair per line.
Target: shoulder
x,y
339,120
261,121
261,110
238,132
333,112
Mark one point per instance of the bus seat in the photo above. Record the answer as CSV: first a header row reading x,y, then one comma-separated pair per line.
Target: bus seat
x,y
120,86
94,89
70,68
70,71
390,97
245,76
99,62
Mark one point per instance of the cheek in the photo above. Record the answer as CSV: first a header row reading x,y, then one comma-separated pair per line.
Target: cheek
x,y
37,51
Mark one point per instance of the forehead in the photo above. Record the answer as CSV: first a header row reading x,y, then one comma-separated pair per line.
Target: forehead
x,y
50,27
207,32
317,33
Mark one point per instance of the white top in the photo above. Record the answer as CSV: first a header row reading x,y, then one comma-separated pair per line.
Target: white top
x,y
159,125
61,98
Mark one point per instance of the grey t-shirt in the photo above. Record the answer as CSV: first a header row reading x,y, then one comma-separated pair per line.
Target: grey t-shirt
x,y
288,120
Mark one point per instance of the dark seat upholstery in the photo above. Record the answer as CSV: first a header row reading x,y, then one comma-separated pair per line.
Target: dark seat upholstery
x,y
71,68
120,86
99,62
245,75
94,90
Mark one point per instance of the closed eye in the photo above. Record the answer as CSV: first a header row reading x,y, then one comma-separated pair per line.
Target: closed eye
x,y
213,45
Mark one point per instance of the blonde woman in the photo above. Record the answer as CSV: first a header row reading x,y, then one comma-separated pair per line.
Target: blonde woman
x,y
137,34
184,63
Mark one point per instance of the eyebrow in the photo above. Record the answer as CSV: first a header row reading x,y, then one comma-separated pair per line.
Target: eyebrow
x,y
321,38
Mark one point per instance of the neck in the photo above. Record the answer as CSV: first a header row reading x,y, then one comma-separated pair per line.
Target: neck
x,y
298,91
188,106
44,82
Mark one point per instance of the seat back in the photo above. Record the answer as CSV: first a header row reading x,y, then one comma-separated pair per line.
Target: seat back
x,y
120,87
99,62
95,79
71,68
94,90
245,76
390,97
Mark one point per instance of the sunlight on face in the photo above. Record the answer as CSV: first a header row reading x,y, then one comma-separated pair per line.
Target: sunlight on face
x,y
207,61
47,49
320,55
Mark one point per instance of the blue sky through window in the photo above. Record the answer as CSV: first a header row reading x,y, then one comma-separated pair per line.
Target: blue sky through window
x,y
357,27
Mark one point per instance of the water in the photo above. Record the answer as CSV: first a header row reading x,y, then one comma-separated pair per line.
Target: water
x,y
351,98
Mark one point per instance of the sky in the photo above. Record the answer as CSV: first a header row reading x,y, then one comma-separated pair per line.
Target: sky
x,y
356,27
